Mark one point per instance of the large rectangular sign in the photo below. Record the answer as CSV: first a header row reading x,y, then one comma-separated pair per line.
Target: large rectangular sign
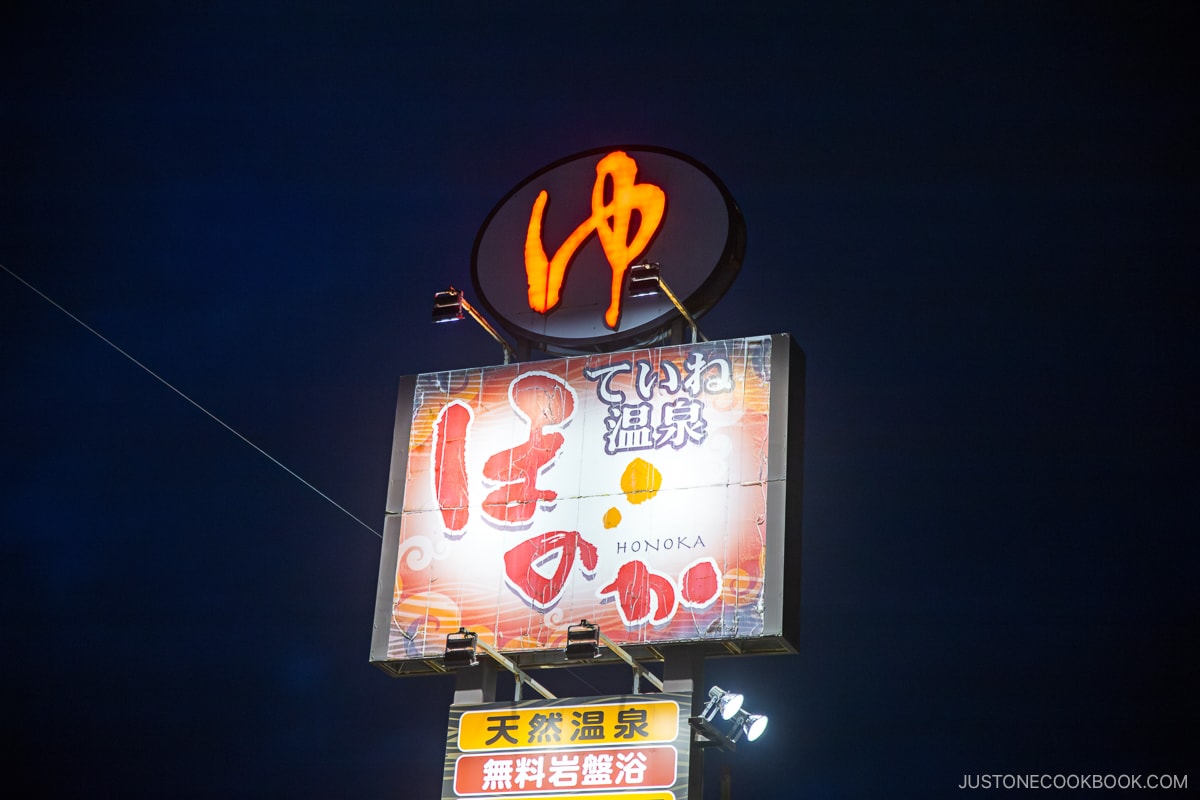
x,y
634,745
647,491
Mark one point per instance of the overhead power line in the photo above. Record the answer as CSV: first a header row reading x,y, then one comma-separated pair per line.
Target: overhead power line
x,y
179,392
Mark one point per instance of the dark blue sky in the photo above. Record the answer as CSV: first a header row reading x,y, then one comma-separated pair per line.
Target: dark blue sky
x,y
978,221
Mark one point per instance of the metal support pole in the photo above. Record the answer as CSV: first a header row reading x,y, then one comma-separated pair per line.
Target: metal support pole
x,y
683,672
475,685
521,675
679,307
487,326
638,670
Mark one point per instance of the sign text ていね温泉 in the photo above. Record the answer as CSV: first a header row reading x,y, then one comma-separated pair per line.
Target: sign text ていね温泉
x,y
640,490
574,747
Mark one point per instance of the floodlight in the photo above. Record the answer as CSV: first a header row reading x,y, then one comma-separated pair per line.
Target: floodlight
x,y
728,703
583,640
460,650
646,279
754,726
731,703
447,306
451,305
741,722
748,724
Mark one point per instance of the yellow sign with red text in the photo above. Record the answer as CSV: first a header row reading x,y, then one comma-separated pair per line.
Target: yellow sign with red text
x,y
621,796
616,747
569,726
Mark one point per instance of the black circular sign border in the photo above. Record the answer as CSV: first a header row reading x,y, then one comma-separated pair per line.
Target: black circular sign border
x,y
710,291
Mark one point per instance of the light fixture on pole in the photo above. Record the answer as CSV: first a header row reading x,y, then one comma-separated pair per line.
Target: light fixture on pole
x,y
451,306
460,653
719,700
460,650
447,305
646,279
752,725
583,640
727,705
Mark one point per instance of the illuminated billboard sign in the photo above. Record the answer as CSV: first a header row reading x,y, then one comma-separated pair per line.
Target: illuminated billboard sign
x,y
622,747
551,261
648,491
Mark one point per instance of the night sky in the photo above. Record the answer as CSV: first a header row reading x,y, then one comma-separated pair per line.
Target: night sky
x,y
979,221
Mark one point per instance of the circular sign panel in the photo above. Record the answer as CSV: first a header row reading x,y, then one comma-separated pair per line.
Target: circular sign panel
x,y
552,260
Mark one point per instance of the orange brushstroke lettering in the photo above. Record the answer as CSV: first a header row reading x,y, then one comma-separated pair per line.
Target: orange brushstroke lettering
x,y
609,220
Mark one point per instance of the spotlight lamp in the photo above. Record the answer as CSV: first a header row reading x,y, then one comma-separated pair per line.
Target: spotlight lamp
x,y
460,650
728,706
646,279
447,305
460,653
451,305
583,640
719,700
752,725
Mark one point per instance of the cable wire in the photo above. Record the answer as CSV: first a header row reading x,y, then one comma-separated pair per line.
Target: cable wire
x,y
208,413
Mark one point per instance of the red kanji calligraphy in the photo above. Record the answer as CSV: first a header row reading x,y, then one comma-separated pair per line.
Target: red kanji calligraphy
x,y
642,594
450,464
546,402
523,563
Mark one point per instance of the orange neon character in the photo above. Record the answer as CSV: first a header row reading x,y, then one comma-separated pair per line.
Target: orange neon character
x,y
610,221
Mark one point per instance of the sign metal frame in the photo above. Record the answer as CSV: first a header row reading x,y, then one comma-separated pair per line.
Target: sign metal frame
x,y
781,577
